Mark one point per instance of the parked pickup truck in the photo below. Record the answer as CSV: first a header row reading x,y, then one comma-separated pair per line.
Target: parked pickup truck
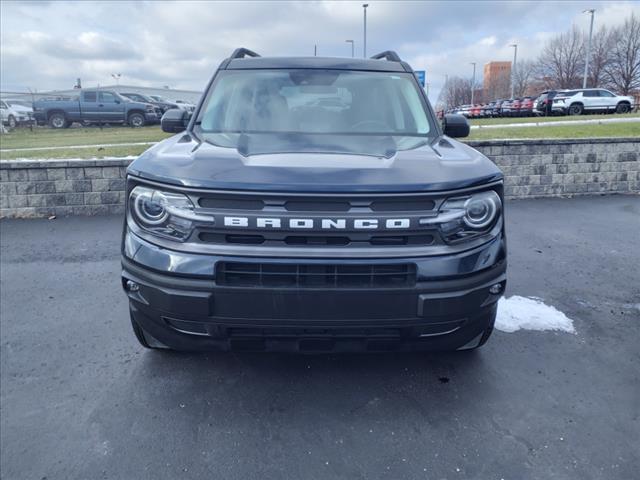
x,y
94,106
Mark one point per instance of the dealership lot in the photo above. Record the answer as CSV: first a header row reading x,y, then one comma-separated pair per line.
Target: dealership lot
x,y
80,398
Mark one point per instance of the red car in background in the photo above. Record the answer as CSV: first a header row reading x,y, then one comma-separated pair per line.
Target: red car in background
x,y
476,110
527,107
515,107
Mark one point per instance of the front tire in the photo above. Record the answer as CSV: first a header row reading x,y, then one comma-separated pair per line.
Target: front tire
x,y
58,120
136,120
576,109
623,107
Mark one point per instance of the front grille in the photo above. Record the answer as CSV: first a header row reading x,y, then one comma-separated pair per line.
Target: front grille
x,y
340,213
240,274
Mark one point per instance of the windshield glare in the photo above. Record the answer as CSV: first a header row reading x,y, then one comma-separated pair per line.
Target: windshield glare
x,y
244,107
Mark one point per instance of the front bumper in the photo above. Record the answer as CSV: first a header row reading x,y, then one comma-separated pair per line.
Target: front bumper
x,y
151,117
179,302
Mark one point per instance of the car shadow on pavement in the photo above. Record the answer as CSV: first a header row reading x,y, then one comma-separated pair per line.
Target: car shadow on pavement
x,y
265,380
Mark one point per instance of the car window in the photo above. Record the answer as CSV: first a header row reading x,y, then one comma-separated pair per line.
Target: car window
x,y
89,96
3,106
106,97
605,93
590,93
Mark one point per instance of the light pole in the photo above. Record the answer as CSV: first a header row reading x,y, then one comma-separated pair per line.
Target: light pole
x,y
364,49
513,69
473,81
592,11
117,77
352,47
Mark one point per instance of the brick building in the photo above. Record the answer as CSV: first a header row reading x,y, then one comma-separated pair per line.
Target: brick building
x,y
497,80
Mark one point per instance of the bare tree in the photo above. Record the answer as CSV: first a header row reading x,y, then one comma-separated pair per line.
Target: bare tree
x,y
457,91
599,58
562,60
623,68
523,76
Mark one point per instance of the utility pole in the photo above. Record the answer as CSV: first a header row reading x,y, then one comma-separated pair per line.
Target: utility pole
x,y
513,69
352,47
473,81
315,50
364,49
117,77
592,11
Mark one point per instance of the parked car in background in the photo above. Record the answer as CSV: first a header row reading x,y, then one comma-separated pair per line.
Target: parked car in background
x,y
488,109
542,100
94,106
12,117
189,107
497,108
475,111
162,106
506,108
579,101
24,109
464,110
515,107
526,107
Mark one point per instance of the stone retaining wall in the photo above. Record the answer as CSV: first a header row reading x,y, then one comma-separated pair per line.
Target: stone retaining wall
x,y
532,168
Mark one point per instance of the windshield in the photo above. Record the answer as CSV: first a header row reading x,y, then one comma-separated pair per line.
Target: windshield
x,y
269,111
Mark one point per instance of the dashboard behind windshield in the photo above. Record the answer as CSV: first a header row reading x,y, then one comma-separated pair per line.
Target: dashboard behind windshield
x,y
324,106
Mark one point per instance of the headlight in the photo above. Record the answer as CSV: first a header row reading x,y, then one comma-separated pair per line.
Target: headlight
x,y
165,214
465,217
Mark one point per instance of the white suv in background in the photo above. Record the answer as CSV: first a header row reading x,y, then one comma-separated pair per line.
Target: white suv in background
x,y
577,102
10,116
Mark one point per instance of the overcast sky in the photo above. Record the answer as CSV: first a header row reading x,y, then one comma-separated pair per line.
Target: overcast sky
x,y
47,45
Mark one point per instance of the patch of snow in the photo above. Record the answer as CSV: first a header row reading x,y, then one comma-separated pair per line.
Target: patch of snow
x,y
515,313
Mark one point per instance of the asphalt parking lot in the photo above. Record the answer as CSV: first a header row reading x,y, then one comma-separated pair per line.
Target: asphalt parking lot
x,y
81,400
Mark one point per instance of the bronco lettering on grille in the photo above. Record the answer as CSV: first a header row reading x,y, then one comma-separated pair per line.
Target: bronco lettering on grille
x,y
319,223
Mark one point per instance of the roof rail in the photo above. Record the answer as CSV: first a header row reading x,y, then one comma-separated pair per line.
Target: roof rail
x,y
243,52
389,55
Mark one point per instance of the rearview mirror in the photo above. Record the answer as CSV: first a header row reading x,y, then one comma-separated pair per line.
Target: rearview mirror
x,y
175,120
455,126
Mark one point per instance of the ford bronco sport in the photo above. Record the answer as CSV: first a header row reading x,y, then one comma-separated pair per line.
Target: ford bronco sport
x,y
313,205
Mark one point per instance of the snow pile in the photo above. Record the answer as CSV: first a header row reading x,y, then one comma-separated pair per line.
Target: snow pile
x,y
518,312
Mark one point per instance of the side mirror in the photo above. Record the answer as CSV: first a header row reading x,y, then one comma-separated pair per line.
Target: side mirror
x,y
175,120
455,126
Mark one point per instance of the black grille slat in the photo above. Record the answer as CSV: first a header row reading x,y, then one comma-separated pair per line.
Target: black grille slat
x,y
315,275
266,219
404,205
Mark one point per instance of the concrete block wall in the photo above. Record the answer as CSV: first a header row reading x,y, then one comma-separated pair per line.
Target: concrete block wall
x,y
532,168
61,187
548,168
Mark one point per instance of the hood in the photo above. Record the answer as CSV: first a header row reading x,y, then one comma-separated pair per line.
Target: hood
x,y
444,165
21,109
